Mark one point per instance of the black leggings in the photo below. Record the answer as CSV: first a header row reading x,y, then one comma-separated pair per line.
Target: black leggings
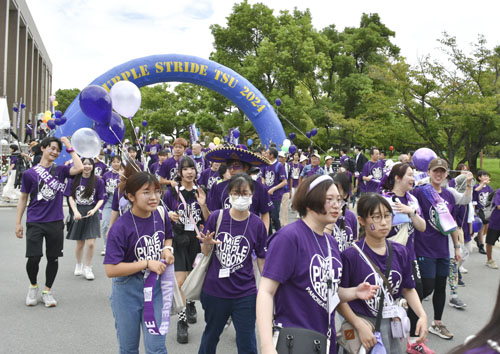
x,y
50,270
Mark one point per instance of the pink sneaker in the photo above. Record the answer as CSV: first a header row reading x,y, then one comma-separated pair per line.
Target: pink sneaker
x,y
417,348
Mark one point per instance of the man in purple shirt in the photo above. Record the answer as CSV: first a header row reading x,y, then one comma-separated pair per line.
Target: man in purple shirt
x,y
152,150
493,230
275,179
372,172
168,169
45,184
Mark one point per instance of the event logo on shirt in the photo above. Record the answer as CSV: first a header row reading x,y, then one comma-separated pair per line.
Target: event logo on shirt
x,y
483,198
111,185
344,239
295,172
395,281
269,178
227,204
173,173
199,167
377,173
193,209
98,171
398,227
211,181
153,150
148,247
233,251
318,275
46,193
79,196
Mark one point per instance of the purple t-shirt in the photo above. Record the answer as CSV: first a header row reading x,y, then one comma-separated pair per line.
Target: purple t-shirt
x,y
168,169
209,178
174,203
343,158
100,168
295,170
480,198
239,239
495,214
349,233
154,149
374,169
412,202
461,213
127,244
97,193
297,258
46,201
273,175
201,164
432,243
111,181
119,203
155,169
357,271
13,161
218,198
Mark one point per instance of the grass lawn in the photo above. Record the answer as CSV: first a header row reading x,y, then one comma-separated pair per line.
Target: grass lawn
x,y
492,166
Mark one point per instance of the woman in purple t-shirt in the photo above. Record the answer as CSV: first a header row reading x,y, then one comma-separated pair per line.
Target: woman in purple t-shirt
x,y
229,289
301,263
375,218
137,242
86,195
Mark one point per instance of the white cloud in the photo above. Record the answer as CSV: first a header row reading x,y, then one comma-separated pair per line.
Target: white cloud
x,y
85,38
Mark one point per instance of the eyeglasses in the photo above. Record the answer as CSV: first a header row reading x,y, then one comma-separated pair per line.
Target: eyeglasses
x,y
338,202
148,194
236,195
378,217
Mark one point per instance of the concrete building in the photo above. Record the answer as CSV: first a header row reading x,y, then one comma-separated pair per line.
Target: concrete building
x,y
25,66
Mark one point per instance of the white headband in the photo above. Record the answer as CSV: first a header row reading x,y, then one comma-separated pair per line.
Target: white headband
x,y
318,181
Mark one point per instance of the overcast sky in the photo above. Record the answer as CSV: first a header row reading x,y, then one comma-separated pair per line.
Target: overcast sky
x,y
86,38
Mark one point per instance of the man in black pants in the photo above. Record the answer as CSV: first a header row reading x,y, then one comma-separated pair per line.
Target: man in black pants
x,y
45,184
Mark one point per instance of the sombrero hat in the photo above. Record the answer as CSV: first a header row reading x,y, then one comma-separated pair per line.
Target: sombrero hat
x,y
223,154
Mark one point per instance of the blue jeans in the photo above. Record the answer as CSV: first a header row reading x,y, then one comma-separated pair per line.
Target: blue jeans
x,y
127,303
217,312
106,216
275,216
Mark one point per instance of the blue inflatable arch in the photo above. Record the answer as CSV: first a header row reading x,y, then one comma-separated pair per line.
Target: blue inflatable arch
x,y
184,68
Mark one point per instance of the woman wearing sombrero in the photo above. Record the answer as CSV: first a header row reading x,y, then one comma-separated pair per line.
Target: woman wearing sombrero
x,y
239,160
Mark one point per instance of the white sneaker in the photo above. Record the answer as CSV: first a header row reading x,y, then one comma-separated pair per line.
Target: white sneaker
x,y
87,272
463,270
103,252
48,299
78,269
32,297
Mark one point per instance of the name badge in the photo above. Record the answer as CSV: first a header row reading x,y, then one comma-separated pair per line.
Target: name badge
x,y
295,177
390,311
334,302
189,227
224,273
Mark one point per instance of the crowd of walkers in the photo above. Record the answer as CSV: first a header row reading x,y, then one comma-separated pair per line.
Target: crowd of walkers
x,y
365,238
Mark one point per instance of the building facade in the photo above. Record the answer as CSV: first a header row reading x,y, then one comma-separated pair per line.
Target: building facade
x,y
25,66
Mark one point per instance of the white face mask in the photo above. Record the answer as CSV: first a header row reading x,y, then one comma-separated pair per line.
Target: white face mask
x,y
254,177
241,203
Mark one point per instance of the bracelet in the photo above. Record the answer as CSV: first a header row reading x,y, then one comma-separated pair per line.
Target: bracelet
x,y
456,247
70,150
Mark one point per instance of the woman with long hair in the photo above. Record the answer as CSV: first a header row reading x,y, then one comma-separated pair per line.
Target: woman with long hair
x,y
111,180
86,195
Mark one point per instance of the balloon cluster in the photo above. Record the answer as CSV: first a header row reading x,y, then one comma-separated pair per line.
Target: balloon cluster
x,y
52,119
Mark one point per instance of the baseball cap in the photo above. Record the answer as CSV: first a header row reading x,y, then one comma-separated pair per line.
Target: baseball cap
x,y
303,158
281,154
328,157
438,163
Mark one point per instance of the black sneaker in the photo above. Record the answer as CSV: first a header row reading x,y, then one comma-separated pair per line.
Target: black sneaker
x,y
191,312
481,249
182,332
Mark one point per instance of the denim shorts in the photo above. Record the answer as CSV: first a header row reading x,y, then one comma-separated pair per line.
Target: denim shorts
x,y
430,268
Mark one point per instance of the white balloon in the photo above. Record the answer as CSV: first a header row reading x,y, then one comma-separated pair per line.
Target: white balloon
x,y
287,142
86,143
126,98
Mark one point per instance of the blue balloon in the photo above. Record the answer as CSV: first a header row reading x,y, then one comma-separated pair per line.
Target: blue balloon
x,y
201,72
292,149
58,114
113,132
236,133
314,131
57,121
309,134
292,136
278,102
63,120
144,123
23,106
15,109
95,102
51,124
249,142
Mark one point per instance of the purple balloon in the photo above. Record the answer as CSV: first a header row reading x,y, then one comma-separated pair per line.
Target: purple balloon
x,y
57,121
292,149
58,114
477,224
309,134
144,123
422,158
23,106
15,109
292,136
314,131
278,102
51,124
236,133
63,120
95,102
113,132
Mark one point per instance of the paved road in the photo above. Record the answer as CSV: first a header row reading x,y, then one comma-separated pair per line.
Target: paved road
x,y
83,323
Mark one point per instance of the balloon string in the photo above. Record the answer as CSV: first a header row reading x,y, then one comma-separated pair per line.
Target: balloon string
x,y
137,139
135,166
300,131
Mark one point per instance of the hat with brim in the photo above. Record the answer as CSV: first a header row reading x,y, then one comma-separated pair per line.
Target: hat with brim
x,y
328,157
316,155
223,154
303,158
438,163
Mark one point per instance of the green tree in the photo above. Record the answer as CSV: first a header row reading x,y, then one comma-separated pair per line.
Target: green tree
x,y
64,98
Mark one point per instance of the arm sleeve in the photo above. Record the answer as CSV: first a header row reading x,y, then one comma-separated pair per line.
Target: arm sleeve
x,y
460,198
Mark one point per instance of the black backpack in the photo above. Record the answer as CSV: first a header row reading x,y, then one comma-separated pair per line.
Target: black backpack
x,y
352,165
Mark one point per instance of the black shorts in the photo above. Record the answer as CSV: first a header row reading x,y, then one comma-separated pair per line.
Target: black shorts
x,y
480,213
492,236
54,239
186,247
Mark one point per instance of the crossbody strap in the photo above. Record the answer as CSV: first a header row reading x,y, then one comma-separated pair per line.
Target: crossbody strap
x,y
189,212
382,295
